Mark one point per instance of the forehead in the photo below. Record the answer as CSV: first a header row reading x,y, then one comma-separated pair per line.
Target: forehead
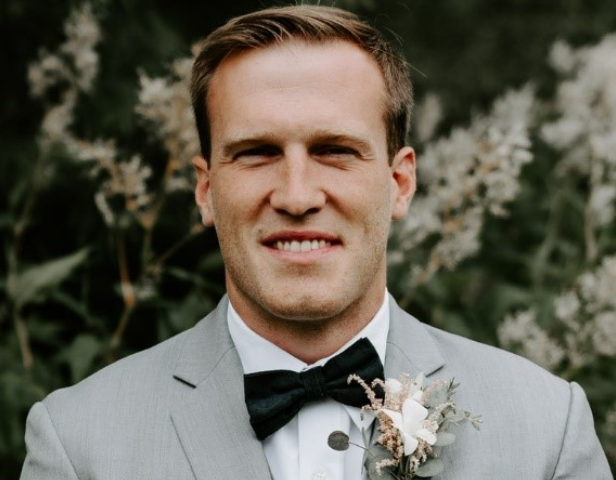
x,y
297,63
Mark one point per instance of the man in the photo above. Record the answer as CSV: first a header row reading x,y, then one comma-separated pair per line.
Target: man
x,y
302,114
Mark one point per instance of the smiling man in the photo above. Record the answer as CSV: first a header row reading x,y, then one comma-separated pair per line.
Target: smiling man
x,y
301,189
303,114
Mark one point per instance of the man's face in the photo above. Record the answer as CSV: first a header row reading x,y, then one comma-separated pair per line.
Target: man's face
x,y
299,186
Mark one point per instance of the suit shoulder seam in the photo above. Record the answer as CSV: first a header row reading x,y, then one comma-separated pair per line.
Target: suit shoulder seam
x,y
565,431
55,431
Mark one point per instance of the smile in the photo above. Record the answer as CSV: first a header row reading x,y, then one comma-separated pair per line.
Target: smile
x,y
302,246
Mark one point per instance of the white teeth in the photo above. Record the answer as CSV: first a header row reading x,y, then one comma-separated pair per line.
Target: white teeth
x,y
303,246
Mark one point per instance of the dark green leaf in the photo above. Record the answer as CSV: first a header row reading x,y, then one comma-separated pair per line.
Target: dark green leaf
x,y
32,283
444,439
432,467
81,354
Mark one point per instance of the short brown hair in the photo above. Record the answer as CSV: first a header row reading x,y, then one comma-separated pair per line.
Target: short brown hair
x,y
315,24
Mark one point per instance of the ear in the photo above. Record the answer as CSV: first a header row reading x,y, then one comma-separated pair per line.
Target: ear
x,y
203,195
403,171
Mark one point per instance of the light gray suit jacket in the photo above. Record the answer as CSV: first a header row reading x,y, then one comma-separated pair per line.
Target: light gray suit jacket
x,y
176,411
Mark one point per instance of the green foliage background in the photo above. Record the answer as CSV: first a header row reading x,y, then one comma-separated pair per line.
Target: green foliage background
x,y
62,312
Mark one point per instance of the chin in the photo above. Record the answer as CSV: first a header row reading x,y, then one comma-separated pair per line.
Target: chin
x,y
305,308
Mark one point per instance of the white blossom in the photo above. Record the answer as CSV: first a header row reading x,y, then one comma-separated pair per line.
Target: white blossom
x,y
83,34
602,203
165,104
561,57
585,129
462,177
521,333
47,72
588,311
604,334
100,200
72,68
57,120
410,423
428,115
566,306
126,180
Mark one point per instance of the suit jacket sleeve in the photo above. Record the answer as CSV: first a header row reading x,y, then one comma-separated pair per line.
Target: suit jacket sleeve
x,y
46,458
581,455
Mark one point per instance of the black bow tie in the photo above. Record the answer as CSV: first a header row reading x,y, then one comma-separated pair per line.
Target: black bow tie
x,y
273,398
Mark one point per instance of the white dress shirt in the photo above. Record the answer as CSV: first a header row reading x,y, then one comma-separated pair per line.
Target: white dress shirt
x,y
299,450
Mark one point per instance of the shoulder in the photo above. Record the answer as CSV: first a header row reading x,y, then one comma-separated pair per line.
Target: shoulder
x,y
470,361
521,404
504,385
143,375
487,360
504,388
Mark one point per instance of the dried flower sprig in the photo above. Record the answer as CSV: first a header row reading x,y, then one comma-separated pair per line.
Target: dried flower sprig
x,y
413,421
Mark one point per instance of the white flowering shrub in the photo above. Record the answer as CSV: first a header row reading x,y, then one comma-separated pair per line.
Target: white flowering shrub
x,y
585,130
471,173
512,234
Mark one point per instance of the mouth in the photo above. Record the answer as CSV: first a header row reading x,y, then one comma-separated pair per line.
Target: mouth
x,y
301,241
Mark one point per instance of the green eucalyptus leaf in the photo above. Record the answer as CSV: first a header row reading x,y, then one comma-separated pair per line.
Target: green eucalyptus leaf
x,y
373,456
444,439
436,396
432,467
455,416
81,354
32,283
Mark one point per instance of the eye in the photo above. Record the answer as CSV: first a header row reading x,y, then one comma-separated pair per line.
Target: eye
x,y
335,151
261,151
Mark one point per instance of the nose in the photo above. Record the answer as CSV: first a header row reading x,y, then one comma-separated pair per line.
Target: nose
x,y
298,187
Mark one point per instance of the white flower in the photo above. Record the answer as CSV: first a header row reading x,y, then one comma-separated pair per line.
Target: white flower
x,y
410,424
428,115
522,333
561,57
604,335
472,172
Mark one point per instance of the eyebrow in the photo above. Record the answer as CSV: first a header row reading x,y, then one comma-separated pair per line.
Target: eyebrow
x,y
323,136
327,136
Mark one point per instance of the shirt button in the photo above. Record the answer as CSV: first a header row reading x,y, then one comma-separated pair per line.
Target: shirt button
x,y
319,475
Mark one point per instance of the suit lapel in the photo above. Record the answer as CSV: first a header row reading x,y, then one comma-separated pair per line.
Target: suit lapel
x,y
212,422
410,348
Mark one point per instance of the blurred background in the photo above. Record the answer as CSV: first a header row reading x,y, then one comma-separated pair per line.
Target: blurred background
x,y
511,239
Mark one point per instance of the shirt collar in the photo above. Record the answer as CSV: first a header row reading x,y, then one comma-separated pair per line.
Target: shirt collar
x,y
258,354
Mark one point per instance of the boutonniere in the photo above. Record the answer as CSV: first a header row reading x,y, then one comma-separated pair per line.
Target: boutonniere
x,y
413,421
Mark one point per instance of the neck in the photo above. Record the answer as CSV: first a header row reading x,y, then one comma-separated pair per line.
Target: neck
x,y
310,340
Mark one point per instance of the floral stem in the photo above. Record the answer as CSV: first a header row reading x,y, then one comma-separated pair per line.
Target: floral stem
x,y
128,292
156,209
589,235
433,265
163,257
20,226
538,268
24,341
